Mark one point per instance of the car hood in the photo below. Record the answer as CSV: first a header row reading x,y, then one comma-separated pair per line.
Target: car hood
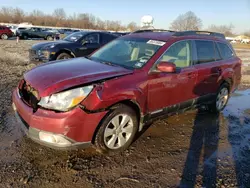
x,y
45,45
57,76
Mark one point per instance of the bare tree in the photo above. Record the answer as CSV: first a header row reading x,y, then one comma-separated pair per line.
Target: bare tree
x,y
187,21
59,18
225,29
59,14
132,26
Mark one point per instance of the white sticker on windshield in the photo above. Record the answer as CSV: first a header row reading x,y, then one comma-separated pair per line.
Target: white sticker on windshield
x,y
156,42
138,64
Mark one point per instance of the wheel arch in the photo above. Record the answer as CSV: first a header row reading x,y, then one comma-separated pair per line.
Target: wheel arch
x,y
228,77
128,102
65,51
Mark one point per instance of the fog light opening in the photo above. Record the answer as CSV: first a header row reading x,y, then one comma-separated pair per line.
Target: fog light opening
x,y
53,138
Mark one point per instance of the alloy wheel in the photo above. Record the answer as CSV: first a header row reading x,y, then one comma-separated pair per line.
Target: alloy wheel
x,y
118,131
222,98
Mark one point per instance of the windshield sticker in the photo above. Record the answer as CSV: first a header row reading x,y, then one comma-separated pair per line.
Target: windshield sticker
x,y
138,64
156,42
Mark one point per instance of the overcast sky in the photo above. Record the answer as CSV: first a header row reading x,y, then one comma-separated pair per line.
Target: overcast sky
x,y
163,11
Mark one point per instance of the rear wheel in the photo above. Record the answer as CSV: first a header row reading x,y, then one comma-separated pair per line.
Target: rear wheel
x,y
63,56
4,36
49,38
222,98
117,130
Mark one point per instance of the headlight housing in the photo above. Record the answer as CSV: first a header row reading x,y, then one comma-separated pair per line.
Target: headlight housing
x,y
52,46
65,100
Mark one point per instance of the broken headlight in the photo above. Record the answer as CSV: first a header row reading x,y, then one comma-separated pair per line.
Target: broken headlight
x,y
66,100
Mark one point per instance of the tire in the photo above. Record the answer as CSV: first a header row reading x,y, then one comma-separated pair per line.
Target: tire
x,y
49,38
63,56
111,138
221,99
4,37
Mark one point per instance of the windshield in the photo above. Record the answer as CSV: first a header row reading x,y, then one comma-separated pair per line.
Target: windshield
x,y
74,36
131,53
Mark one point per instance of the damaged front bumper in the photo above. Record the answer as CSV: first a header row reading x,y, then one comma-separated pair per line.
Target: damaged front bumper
x,y
48,139
67,130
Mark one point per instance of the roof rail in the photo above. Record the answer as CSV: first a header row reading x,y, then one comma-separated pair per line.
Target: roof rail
x,y
152,30
183,33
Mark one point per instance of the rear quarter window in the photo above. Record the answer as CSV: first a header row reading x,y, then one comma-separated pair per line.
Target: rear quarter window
x,y
225,50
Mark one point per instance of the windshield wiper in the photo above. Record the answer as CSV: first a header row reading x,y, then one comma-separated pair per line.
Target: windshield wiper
x,y
109,63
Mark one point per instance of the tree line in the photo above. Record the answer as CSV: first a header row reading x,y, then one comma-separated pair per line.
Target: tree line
x,y
59,18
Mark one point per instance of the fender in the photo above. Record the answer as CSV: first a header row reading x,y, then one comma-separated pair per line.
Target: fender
x,y
99,100
227,74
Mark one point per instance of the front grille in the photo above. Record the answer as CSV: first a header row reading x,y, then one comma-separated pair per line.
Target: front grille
x,y
32,54
29,95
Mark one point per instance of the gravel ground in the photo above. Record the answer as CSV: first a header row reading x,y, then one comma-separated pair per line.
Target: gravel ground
x,y
192,149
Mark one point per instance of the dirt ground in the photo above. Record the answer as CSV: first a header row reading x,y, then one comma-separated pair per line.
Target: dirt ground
x,y
193,149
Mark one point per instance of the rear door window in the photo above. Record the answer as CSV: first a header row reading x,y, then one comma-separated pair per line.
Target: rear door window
x,y
217,54
225,51
205,51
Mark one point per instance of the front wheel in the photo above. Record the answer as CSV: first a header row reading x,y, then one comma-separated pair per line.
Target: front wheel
x,y
222,98
4,36
117,130
63,56
49,38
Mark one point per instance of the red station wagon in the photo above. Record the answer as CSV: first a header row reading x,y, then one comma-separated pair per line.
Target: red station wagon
x,y
106,98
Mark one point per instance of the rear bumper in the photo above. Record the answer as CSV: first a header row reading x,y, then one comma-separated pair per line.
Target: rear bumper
x,y
76,126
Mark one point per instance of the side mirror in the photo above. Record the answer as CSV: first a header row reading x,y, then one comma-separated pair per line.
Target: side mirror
x,y
167,67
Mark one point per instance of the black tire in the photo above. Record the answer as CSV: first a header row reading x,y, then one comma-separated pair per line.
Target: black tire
x,y
4,36
49,38
63,56
214,107
120,109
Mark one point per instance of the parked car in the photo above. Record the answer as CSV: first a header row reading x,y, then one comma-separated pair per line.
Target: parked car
x,y
20,29
53,31
77,44
13,28
120,33
35,32
5,32
106,98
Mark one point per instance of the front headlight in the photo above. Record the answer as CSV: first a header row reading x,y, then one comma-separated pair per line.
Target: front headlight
x,y
65,100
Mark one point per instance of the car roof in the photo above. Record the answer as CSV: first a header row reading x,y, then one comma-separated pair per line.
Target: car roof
x,y
3,26
166,35
163,36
